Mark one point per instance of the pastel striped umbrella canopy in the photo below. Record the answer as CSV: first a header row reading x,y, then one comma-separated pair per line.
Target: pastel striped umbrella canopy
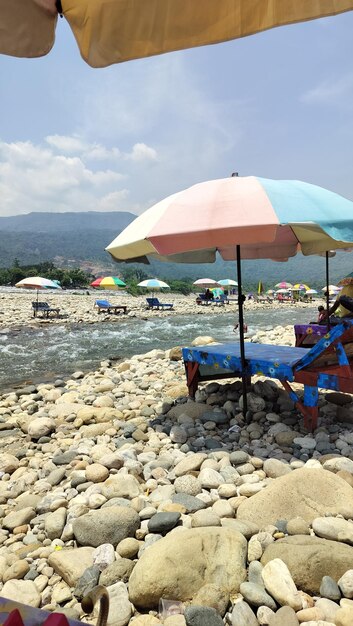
x,y
108,282
268,218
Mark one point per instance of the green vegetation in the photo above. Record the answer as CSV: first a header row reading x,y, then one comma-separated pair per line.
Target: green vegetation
x,y
71,278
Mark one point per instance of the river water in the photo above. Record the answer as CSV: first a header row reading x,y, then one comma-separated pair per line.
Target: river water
x,y
31,355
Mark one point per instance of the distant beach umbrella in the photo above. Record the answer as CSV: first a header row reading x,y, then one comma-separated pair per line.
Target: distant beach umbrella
x,y
331,289
153,283
37,282
228,282
284,285
206,282
108,282
311,292
301,287
282,290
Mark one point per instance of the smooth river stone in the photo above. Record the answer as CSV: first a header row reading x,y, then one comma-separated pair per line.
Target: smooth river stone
x,y
256,595
334,528
243,615
191,463
280,584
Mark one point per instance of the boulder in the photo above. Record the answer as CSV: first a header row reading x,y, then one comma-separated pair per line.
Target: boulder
x,y
306,492
163,571
310,558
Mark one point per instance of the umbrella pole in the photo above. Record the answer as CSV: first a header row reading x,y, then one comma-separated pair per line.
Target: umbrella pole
x,y
327,292
241,334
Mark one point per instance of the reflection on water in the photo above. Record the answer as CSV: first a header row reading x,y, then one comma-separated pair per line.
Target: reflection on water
x,y
52,352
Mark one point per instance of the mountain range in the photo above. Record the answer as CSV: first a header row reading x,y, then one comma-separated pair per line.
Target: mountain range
x,y
79,240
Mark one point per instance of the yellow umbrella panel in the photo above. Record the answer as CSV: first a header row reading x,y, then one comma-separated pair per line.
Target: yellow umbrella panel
x,y
112,31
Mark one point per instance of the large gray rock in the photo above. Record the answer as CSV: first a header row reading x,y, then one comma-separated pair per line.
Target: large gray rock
x,y
217,556
310,558
108,525
306,492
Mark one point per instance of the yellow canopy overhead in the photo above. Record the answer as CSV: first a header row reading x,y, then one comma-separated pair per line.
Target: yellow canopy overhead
x,y
112,31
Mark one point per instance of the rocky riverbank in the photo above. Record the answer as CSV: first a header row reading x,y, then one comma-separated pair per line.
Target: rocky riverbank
x,y
78,307
115,477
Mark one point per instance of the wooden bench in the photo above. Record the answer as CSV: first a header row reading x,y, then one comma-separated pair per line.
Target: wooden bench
x,y
44,309
104,306
327,365
154,303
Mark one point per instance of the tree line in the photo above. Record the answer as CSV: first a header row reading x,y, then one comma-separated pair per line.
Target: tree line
x,y
76,278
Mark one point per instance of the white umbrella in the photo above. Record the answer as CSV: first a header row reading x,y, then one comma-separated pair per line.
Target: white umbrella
x,y
153,283
310,292
37,282
331,289
205,282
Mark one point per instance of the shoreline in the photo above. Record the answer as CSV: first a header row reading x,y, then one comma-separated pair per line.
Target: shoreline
x,y
78,308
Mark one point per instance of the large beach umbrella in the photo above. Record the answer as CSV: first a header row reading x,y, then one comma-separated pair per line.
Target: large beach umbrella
x,y
108,282
238,217
37,282
111,31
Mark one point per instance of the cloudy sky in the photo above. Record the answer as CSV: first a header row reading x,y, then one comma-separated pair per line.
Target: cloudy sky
x,y
278,104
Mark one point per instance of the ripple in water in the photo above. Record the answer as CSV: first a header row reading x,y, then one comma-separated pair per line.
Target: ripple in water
x,y
32,355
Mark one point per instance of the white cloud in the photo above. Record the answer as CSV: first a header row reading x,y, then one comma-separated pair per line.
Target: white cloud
x,y
63,143
331,92
35,178
114,201
141,152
